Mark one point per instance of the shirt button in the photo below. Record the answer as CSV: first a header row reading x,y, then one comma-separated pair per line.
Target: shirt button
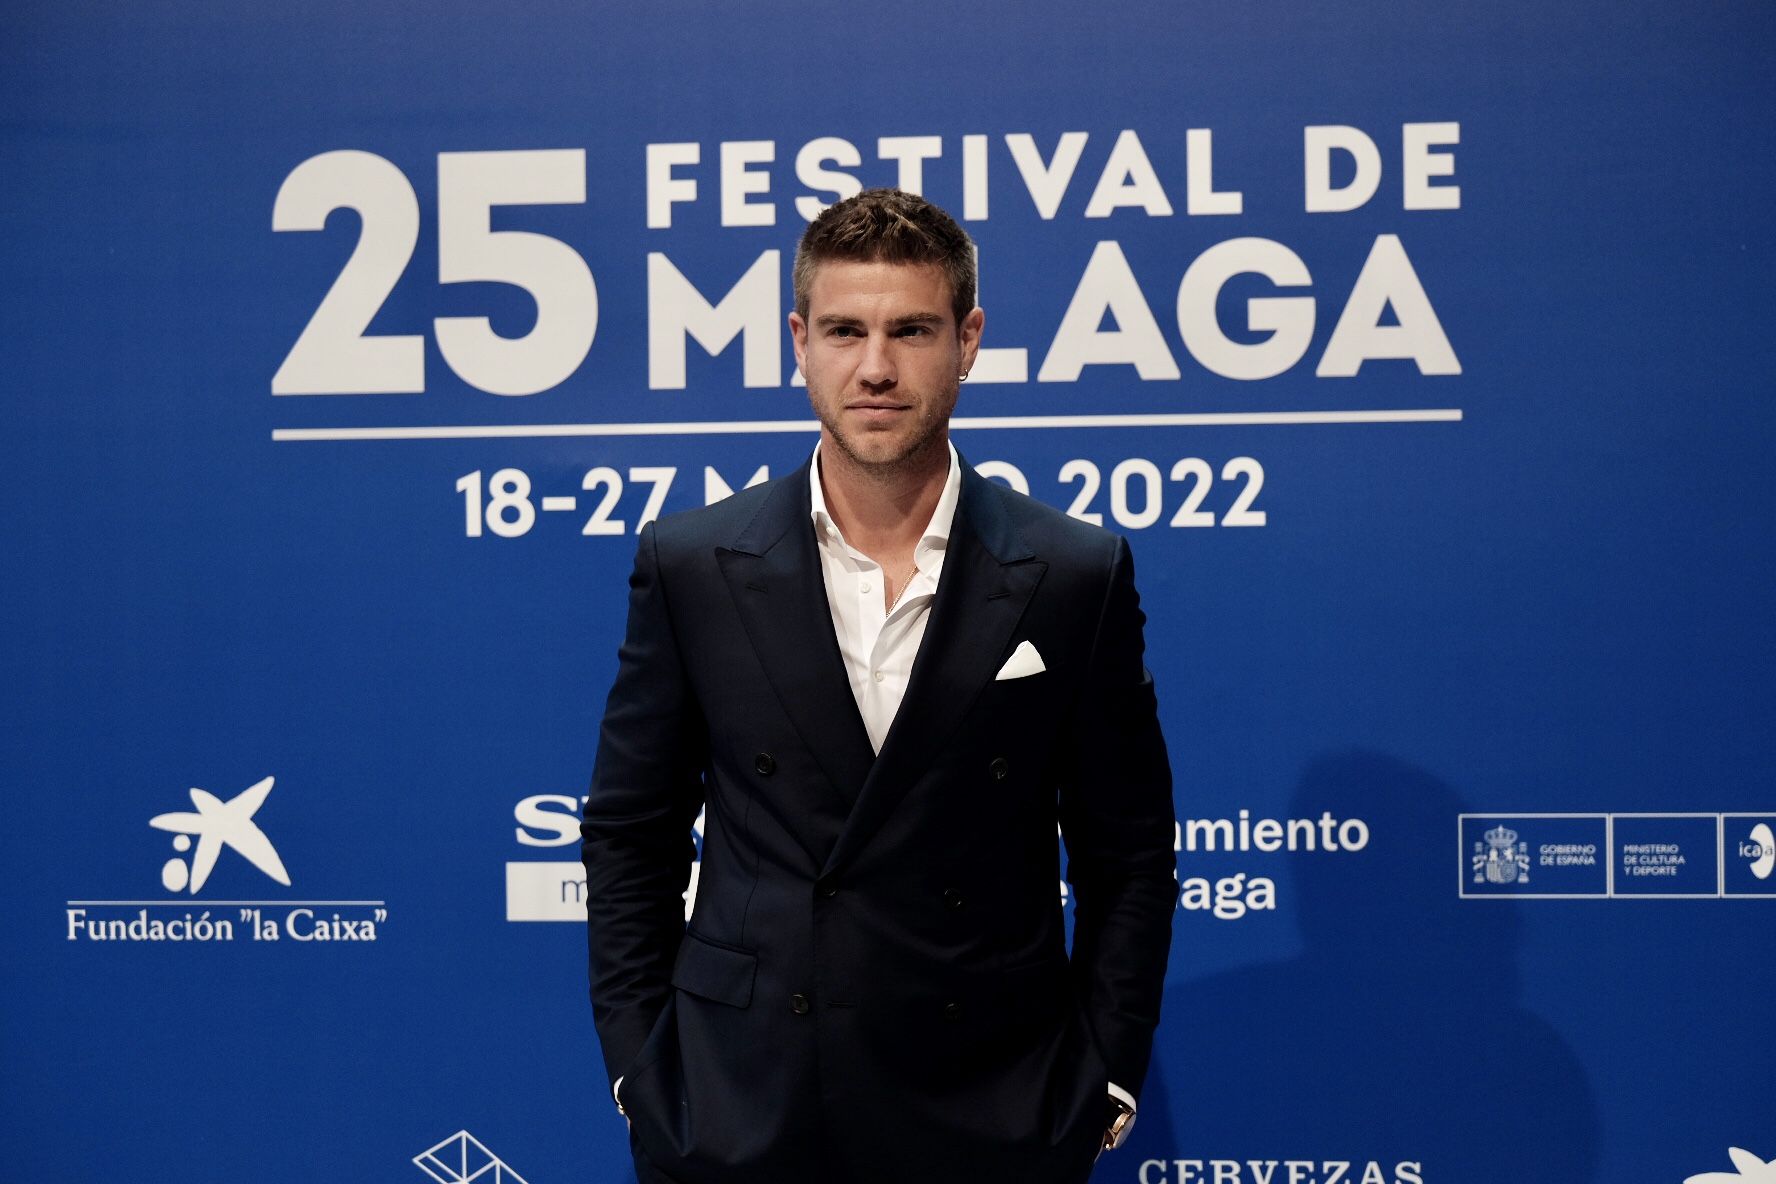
x,y
765,764
863,587
952,1011
878,676
799,1004
1000,768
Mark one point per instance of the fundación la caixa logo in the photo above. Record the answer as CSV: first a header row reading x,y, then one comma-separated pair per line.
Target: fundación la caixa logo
x,y
218,824
223,834
1751,1169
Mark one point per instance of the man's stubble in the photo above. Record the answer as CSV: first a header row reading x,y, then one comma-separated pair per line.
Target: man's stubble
x,y
917,454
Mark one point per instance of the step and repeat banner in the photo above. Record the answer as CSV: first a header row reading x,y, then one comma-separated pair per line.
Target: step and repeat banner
x,y
1423,355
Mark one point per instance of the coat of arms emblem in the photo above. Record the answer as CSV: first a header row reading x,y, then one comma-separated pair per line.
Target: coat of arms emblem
x,y
1501,859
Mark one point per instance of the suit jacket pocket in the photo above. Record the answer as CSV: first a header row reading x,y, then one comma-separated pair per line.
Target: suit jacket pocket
x,y
719,973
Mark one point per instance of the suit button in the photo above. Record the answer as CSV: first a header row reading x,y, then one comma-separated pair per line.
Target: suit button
x,y
952,898
799,1004
1001,768
952,1011
826,889
765,764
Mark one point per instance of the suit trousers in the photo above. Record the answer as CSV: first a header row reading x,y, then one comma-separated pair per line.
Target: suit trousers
x,y
645,1171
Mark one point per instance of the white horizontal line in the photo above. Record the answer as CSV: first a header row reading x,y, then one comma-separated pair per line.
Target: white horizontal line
x,y
741,427
169,904
1672,814
1535,896
1533,816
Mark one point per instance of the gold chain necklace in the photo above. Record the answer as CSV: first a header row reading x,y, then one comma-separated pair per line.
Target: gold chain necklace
x,y
904,584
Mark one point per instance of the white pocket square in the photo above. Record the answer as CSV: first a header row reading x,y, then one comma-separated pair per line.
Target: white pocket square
x,y
1024,662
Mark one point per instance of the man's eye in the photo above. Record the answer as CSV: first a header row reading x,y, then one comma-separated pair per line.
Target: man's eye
x,y
844,331
913,330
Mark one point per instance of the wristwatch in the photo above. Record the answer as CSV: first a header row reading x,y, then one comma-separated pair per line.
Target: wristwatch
x,y
1122,1120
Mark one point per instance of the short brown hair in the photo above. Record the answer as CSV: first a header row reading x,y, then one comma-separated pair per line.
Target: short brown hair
x,y
891,226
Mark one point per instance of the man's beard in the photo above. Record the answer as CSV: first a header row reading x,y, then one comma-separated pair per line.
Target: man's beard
x,y
930,432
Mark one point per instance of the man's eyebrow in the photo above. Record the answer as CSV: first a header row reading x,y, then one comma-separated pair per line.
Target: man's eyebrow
x,y
825,320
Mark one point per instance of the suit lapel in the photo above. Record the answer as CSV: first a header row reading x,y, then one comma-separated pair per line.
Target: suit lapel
x,y
989,576
773,573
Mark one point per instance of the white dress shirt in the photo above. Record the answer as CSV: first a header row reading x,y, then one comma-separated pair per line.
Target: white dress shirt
x,y
880,643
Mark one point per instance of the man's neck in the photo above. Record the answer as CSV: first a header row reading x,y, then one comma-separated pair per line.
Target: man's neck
x,y
883,511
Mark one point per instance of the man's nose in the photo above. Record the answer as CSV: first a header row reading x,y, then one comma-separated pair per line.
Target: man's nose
x,y
877,370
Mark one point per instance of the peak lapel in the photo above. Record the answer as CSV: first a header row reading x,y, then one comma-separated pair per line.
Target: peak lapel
x,y
773,573
989,575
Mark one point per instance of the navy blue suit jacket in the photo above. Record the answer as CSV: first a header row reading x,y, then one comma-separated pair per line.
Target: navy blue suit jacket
x,y
875,984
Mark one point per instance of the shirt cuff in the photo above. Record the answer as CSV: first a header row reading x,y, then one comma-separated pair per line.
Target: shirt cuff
x,y
618,1084
1126,1098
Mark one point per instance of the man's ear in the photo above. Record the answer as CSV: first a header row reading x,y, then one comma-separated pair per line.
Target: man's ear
x,y
798,338
971,327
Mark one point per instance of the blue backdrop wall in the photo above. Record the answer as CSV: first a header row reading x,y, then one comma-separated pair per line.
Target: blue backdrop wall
x,y
1422,352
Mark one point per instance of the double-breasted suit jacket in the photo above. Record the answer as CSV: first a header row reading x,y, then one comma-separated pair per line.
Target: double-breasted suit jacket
x,y
874,984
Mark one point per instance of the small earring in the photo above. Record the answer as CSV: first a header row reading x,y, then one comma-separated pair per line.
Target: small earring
x,y
962,377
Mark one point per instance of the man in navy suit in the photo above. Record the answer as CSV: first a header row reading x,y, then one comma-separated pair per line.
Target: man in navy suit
x,y
887,681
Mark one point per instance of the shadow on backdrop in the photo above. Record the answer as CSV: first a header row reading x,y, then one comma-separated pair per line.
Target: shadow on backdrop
x,y
1398,1034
